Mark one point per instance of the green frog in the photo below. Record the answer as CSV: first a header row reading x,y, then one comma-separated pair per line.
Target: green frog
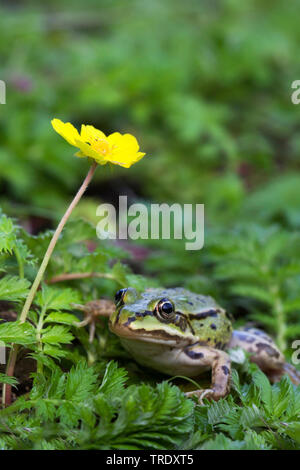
x,y
178,332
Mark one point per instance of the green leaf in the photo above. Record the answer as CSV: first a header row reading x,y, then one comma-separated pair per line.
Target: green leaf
x,y
221,442
81,383
292,430
119,271
265,389
7,234
113,381
56,334
16,332
5,379
54,351
59,317
52,298
13,288
252,291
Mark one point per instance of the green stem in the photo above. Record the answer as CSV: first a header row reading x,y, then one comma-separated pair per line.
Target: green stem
x,y
6,393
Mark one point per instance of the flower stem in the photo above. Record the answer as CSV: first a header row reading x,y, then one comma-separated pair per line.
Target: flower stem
x,y
6,395
53,242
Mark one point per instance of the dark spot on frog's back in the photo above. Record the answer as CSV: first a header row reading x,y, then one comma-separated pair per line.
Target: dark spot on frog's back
x,y
208,313
245,337
225,370
268,349
213,326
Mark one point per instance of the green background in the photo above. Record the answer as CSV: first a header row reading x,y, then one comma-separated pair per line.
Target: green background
x,y
205,86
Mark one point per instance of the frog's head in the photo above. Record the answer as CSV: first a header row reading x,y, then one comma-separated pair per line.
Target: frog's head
x,y
156,316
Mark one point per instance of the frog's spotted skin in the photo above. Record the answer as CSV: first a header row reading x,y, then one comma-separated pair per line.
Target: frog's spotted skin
x,y
178,332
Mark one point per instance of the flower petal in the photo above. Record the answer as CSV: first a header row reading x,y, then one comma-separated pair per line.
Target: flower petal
x,y
126,141
66,130
125,159
90,132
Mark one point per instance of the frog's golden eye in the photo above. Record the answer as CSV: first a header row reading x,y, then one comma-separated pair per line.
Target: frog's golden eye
x,y
119,296
165,309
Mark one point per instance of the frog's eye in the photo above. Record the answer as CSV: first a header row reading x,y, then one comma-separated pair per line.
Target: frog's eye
x,y
119,296
166,309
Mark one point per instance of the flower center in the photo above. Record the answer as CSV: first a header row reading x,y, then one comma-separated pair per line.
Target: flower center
x,y
101,146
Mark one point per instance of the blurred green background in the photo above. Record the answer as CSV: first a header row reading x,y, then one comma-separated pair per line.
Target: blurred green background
x,y
205,86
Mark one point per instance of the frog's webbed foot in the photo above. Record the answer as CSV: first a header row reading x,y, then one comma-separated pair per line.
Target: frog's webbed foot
x,y
93,312
210,393
201,394
220,364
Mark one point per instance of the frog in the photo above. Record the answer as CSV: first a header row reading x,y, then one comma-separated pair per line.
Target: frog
x,y
182,333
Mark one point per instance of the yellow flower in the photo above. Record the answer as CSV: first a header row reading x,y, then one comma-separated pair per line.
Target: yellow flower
x,y
116,148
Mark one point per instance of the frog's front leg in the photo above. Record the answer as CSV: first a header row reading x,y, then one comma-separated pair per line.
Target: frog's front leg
x,y
219,362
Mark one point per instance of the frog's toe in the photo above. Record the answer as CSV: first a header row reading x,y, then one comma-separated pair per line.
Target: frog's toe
x,y
201,394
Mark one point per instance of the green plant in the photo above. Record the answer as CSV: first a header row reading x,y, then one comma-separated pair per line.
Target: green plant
x,y
80,399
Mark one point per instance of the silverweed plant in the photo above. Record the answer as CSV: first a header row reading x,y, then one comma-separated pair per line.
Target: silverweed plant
x,y
116,149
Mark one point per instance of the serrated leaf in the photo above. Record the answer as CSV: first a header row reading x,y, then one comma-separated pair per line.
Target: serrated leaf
x,y
254,292
113,381
293,430
265,389
13,288
54,351
81,383
16,332
119,272
59,317
5,379
56,334
52,298
7,234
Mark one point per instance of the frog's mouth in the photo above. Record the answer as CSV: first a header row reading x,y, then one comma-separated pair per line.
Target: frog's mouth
x,y
149,336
